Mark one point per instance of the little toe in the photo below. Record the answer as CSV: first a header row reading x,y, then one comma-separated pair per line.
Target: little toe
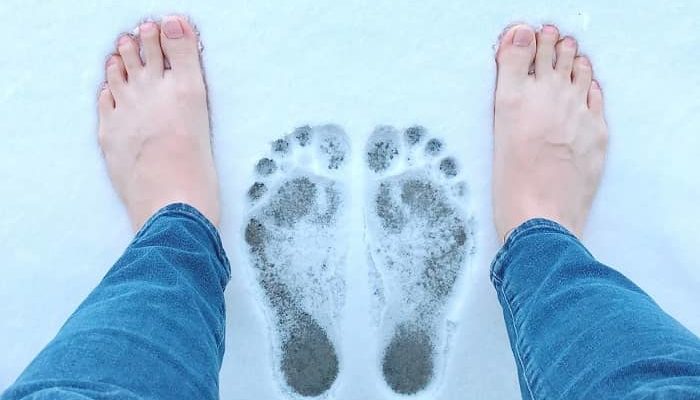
x,y
595,98
566,51
129,50
546,40
149,33
582,75
116,74
179,43
105,101
516,53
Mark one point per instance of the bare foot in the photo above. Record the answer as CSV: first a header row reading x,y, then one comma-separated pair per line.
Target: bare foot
x,y
549,131
154,122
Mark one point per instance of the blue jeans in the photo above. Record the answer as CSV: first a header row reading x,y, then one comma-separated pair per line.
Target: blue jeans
x,y
581,330
154,327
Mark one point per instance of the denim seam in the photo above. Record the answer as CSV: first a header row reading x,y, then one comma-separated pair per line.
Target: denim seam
x,y
530,227
517,341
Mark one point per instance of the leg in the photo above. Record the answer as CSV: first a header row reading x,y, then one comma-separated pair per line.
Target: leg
x,y
154,327
581,330
578,329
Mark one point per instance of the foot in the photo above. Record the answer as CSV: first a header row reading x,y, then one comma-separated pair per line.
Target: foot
x,y
154,122
549,131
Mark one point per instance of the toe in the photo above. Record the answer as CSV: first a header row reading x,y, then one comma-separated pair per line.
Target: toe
x,y
105,101
566,51
116,74
582,75
129,50
382,151
546,40
257,191
149,33
595,98
433,147
179,42
265,167
448,166
516,53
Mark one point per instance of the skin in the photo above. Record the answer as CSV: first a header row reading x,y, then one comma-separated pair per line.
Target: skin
x,y
154,122
550,135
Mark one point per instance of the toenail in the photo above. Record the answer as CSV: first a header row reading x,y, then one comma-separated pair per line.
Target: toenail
x,y
111,61
585,61
124,40
595,85
522,37
146,27
549,29
172,28
569,42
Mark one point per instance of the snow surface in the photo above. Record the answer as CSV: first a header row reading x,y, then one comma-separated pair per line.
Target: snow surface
x,y
272,66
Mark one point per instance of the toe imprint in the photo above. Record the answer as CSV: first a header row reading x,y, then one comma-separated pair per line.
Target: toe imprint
x,y
433,147
333,145
302,135
382,148
414,135
265,167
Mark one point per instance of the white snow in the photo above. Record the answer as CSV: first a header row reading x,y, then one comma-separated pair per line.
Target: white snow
x,y
272,66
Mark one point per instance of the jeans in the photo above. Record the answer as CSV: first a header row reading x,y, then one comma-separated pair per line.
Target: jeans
x,y
154,327
581,330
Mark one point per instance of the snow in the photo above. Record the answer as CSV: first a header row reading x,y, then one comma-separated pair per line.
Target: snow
x,y
272,66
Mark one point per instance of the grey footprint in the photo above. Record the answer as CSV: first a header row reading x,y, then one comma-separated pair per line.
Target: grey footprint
x,y
294,234
420,237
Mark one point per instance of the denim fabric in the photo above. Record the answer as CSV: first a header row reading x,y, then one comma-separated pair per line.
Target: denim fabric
x,y
152,329
580,330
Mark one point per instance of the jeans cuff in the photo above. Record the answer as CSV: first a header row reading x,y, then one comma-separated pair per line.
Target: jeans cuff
x,y
527,228
186,210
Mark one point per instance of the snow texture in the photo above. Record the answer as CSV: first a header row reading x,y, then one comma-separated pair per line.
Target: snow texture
x,y
274,66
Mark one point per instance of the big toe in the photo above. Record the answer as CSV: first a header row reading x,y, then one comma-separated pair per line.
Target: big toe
x,y
516,53
180,45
